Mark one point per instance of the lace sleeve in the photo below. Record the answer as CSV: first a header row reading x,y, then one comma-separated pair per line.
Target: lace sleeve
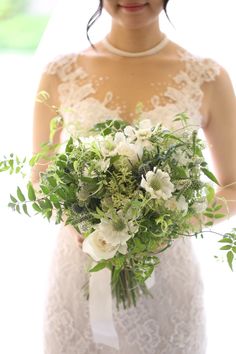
x,y
199,69
62,66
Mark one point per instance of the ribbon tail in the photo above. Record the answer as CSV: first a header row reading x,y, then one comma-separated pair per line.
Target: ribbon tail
x,y
100,309
150,282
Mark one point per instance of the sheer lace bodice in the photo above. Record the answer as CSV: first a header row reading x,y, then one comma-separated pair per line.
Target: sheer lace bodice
x,y
173,321
91,99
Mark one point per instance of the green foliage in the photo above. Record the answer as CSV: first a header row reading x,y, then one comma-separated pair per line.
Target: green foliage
x,y
109,127
210,175
12,164
229,241
85,185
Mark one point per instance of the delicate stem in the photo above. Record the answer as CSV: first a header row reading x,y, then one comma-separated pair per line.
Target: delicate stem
x,y
204,231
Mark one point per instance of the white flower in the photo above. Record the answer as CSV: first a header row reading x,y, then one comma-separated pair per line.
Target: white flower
x,y
132,151
158,184
88,140
98,248
179,204
181,157
83,194
130,133
200,206
141,134
109,237
117,229
119,138
145,129
102,165
107,146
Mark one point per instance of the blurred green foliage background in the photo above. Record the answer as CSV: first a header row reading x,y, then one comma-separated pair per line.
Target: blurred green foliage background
x,y
20,29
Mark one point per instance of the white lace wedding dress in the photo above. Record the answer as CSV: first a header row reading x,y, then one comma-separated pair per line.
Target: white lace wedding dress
x,y
173,322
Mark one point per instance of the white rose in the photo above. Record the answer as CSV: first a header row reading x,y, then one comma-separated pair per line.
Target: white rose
x,y
98,248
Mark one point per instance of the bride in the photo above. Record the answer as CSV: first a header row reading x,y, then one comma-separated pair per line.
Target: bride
x,y
134,63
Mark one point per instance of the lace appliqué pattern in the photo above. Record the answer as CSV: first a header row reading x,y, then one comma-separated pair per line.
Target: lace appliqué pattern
x,y
185,95
173,321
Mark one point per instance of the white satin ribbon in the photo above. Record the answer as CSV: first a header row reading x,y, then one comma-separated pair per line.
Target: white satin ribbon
x,y
150,282
100,307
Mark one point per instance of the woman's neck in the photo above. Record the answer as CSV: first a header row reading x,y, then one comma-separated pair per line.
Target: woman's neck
x,y
135,40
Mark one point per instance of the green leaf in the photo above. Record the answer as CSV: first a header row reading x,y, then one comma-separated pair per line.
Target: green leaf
x,y
209,215
226,248
5,168
107,131
55,201
219,216
61,164
210,209
24,206
209,223
11,163
18,209
230,258
49,214
98,267
62,193
42,205
31,192
59,217
217,207
210,175
234,249
69,146
34,160
54,126
117,124
14,200
36,207
52,181
89,180
47,203
100,212
20,195
12,206
226,240
45,189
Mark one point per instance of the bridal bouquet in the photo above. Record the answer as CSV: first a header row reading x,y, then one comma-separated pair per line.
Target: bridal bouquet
x,y
131,191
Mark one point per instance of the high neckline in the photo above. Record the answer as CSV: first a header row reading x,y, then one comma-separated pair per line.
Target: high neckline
x,y
154,50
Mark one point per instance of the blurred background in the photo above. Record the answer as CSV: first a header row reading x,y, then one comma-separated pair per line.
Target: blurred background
x,y
206,28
